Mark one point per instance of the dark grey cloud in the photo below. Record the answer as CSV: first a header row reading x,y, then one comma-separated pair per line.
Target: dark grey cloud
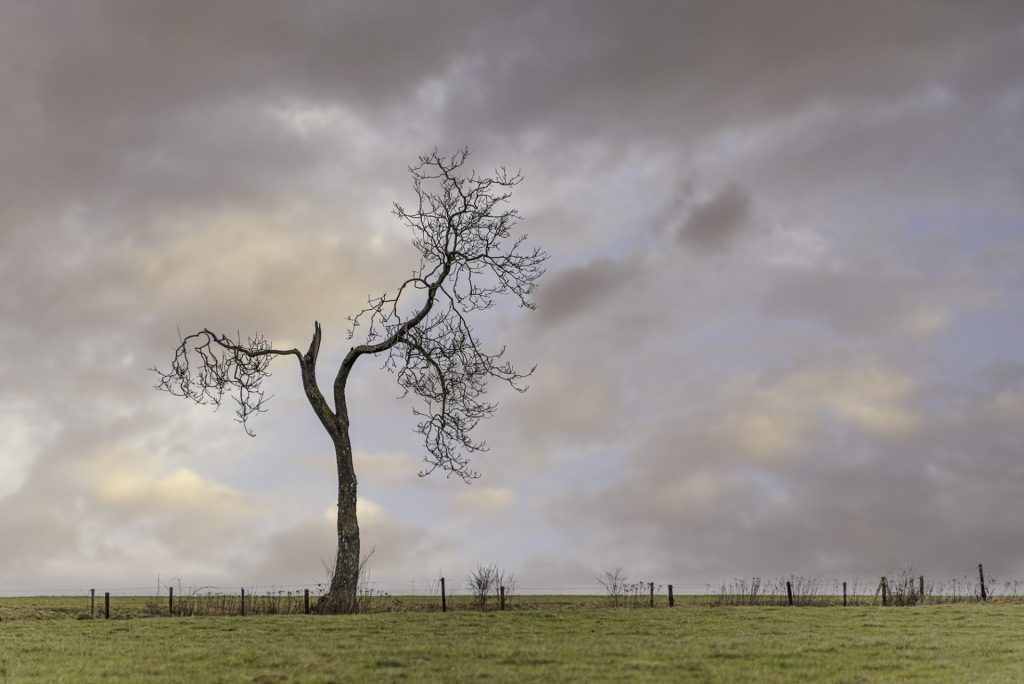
x,y
112,103
712,225
707,64
575,291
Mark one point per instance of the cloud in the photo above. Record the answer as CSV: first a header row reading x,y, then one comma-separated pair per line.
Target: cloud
x,y
706,66
23,434
132,492
115,504
873,301
568,402
842,391
779,414
391,547
715,223
898,480
387,468
260,270
478,500
578,290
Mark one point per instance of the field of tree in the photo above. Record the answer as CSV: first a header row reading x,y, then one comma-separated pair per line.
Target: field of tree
x,y
544,638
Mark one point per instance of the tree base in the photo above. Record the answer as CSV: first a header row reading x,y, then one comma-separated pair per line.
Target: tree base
x,y
337,603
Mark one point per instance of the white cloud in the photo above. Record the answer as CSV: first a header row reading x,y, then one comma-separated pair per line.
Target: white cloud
x,y
23,434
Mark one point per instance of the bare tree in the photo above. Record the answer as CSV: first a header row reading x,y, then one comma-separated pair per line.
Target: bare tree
x,y
487,581
462,227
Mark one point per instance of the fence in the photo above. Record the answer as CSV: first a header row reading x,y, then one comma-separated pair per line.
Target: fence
x,y
901,589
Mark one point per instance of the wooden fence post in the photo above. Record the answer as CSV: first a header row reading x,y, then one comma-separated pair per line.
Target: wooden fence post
x,y
921,579
652,593
671,598
92,602
885,591
789,591
844,594
170,601
243,601
502,588
106,605
981,576
305,602
444,601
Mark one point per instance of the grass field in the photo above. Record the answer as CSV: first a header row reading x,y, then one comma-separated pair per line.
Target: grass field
x,y
558,639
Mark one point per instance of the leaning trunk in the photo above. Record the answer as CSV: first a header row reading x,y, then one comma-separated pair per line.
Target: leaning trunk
x,y
342,597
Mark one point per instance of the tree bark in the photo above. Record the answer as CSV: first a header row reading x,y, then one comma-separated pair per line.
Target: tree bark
x,y
342,596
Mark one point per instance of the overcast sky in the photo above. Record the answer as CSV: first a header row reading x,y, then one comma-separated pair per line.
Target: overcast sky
x,y
781,329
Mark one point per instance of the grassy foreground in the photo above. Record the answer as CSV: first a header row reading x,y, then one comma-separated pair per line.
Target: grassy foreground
x,y
686,643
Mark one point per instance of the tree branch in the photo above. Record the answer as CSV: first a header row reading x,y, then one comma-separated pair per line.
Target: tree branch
x,y
469,258
467,254
208,365
328,418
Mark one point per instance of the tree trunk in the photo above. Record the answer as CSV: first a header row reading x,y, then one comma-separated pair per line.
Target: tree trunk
x,y
344,583
341,598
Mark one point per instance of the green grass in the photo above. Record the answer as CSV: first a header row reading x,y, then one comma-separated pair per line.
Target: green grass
x,y
560,639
